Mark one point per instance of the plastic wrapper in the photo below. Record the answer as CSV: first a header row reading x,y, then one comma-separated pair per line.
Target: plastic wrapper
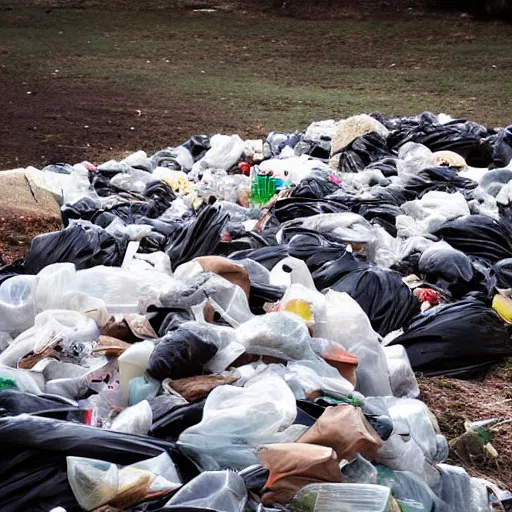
x,y
401,376
17,303
223,491
236,420
384,297
341,497
461,339
349,325
134,420
293,466
96,483
282,335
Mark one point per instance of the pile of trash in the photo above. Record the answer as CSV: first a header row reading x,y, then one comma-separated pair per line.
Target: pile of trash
x,y
235,325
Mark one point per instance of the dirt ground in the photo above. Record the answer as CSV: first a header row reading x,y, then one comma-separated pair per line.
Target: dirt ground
x,y
454,401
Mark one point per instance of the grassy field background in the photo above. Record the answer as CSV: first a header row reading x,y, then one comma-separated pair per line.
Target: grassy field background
x,y
150,79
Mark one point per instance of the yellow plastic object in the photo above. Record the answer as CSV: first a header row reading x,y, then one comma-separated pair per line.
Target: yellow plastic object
x,y
503,306
300,308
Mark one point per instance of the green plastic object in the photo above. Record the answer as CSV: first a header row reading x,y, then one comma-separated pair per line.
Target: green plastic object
x,y
263,188
7,383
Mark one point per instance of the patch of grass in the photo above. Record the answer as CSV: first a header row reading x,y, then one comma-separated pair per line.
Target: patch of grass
x,y
279,73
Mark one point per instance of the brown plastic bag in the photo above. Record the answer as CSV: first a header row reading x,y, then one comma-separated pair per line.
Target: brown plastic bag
x,y
345,429
292,466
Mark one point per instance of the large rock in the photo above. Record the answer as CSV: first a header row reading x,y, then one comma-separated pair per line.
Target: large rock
x,y
26,210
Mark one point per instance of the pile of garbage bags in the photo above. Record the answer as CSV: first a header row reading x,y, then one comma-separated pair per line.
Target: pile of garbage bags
x,y
235,325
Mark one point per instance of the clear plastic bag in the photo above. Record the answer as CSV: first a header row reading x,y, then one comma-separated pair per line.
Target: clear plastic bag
x,y
134,420
458,491
53,282
224,152
95,483
348,324
319,376
17,303
223,491
401,376
236,420
412,159
416,441
282,335
342,498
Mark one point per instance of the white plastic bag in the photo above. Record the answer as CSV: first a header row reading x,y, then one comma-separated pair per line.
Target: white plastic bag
x,y
17,303
236,420
134,420
348,325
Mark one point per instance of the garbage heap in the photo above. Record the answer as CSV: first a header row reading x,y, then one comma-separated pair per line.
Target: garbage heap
x,y
235,325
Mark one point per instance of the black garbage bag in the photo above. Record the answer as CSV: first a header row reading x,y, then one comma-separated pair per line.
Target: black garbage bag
x,y
33,455
15,402
442,179
314,187
451,271
196,237
503,272
364,151
160,195
170,425
332,271
165,320
502,153
461,340
25,432
382,214
269,257
180,354
463,137
85,208
479,236
34,481
260,294
383,296
85,246
198,145
294,207
387,166
320,149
